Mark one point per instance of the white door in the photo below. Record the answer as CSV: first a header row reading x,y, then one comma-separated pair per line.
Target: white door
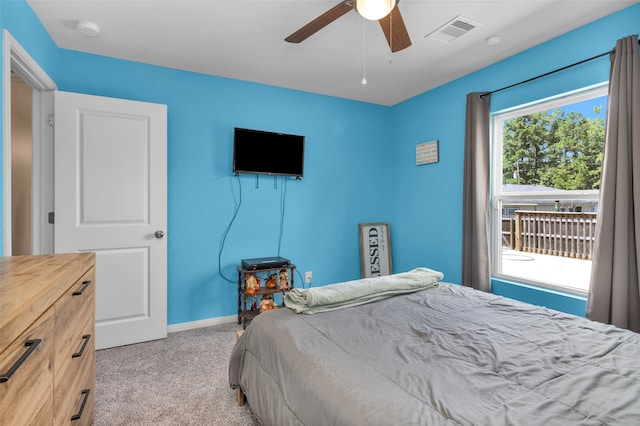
x,y
111,198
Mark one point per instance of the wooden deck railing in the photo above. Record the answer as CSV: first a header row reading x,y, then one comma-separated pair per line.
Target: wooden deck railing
x,y
554,233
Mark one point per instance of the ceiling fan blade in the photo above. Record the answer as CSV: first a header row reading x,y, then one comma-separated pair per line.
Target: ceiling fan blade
x,y
320,22
393,22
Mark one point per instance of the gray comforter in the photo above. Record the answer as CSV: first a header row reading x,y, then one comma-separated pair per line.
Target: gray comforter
x,y
448,355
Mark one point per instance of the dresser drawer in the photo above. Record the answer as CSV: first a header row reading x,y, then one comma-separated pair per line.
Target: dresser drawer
x,y
27,395
74,387
81,408
87,412
83,347
73,310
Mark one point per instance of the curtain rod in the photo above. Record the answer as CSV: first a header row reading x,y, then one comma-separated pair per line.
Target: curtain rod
x,y
549,73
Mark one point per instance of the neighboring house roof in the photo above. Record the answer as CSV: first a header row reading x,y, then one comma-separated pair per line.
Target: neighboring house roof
x,y
513,187
533,189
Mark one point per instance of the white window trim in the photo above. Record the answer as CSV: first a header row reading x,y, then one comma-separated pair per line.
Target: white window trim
x,y
497,198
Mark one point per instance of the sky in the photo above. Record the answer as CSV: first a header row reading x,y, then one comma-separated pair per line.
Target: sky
x,y
586,107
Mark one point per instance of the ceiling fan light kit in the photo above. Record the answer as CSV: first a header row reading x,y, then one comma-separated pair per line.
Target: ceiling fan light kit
x,y
374,10
390,21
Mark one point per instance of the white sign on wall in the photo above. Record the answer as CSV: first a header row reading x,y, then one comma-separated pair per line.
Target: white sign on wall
x,y
427,152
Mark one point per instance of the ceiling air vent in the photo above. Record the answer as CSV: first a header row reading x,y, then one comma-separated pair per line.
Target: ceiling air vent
x,y
453,29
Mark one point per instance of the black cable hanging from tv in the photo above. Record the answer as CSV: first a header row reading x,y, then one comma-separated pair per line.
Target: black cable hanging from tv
x,y
226,231
482,96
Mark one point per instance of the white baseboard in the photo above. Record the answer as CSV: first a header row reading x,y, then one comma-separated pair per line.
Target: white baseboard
x,y
201,323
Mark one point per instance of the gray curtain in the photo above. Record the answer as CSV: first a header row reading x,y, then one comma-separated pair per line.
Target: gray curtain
x,y
476,270
614,295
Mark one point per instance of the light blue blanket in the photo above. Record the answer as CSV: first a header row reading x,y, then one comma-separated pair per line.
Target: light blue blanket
x,y
358,292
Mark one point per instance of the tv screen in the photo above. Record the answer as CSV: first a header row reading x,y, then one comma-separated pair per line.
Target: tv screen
x,y
269,153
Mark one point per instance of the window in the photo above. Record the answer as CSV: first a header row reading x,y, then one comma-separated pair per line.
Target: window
x,y
546,171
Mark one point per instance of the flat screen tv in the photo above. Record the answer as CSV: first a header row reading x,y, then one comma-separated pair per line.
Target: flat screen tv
x,y
268,153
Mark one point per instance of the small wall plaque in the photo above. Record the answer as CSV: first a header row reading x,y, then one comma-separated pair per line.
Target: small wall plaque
x,y
427,153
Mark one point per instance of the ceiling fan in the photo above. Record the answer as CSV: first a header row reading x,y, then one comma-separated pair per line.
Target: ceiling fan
x,y
391,21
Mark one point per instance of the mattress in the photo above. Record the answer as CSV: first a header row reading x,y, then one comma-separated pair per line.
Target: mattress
x,y
448,355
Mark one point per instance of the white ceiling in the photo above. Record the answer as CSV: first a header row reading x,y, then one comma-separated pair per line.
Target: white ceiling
x,y
244,39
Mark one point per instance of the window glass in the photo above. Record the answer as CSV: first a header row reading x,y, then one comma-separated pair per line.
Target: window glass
x,y
546,172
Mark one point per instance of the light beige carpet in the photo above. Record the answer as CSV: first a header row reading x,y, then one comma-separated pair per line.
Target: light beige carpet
x,y
180,380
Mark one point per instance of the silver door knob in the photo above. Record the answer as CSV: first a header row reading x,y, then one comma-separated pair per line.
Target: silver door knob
x,y
159,234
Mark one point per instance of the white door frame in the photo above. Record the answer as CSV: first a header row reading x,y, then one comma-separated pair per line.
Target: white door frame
x,y
16,58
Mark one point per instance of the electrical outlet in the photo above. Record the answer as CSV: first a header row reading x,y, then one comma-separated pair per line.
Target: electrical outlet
x,y
308,276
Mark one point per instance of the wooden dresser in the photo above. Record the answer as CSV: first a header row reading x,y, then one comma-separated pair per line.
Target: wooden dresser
x,y
47,339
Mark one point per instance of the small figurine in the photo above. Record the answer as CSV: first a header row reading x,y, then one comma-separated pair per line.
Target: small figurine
x,y
251,284
254,304
267,303
283,280
271,281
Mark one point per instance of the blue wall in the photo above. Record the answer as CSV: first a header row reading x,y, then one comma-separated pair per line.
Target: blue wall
x,y
360,161
346,176
428,222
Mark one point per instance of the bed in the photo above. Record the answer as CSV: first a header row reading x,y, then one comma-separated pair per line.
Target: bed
x,y
444,355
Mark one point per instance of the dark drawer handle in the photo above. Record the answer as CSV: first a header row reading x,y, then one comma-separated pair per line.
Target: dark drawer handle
x,y
85,339
85,284
32,345
85,392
